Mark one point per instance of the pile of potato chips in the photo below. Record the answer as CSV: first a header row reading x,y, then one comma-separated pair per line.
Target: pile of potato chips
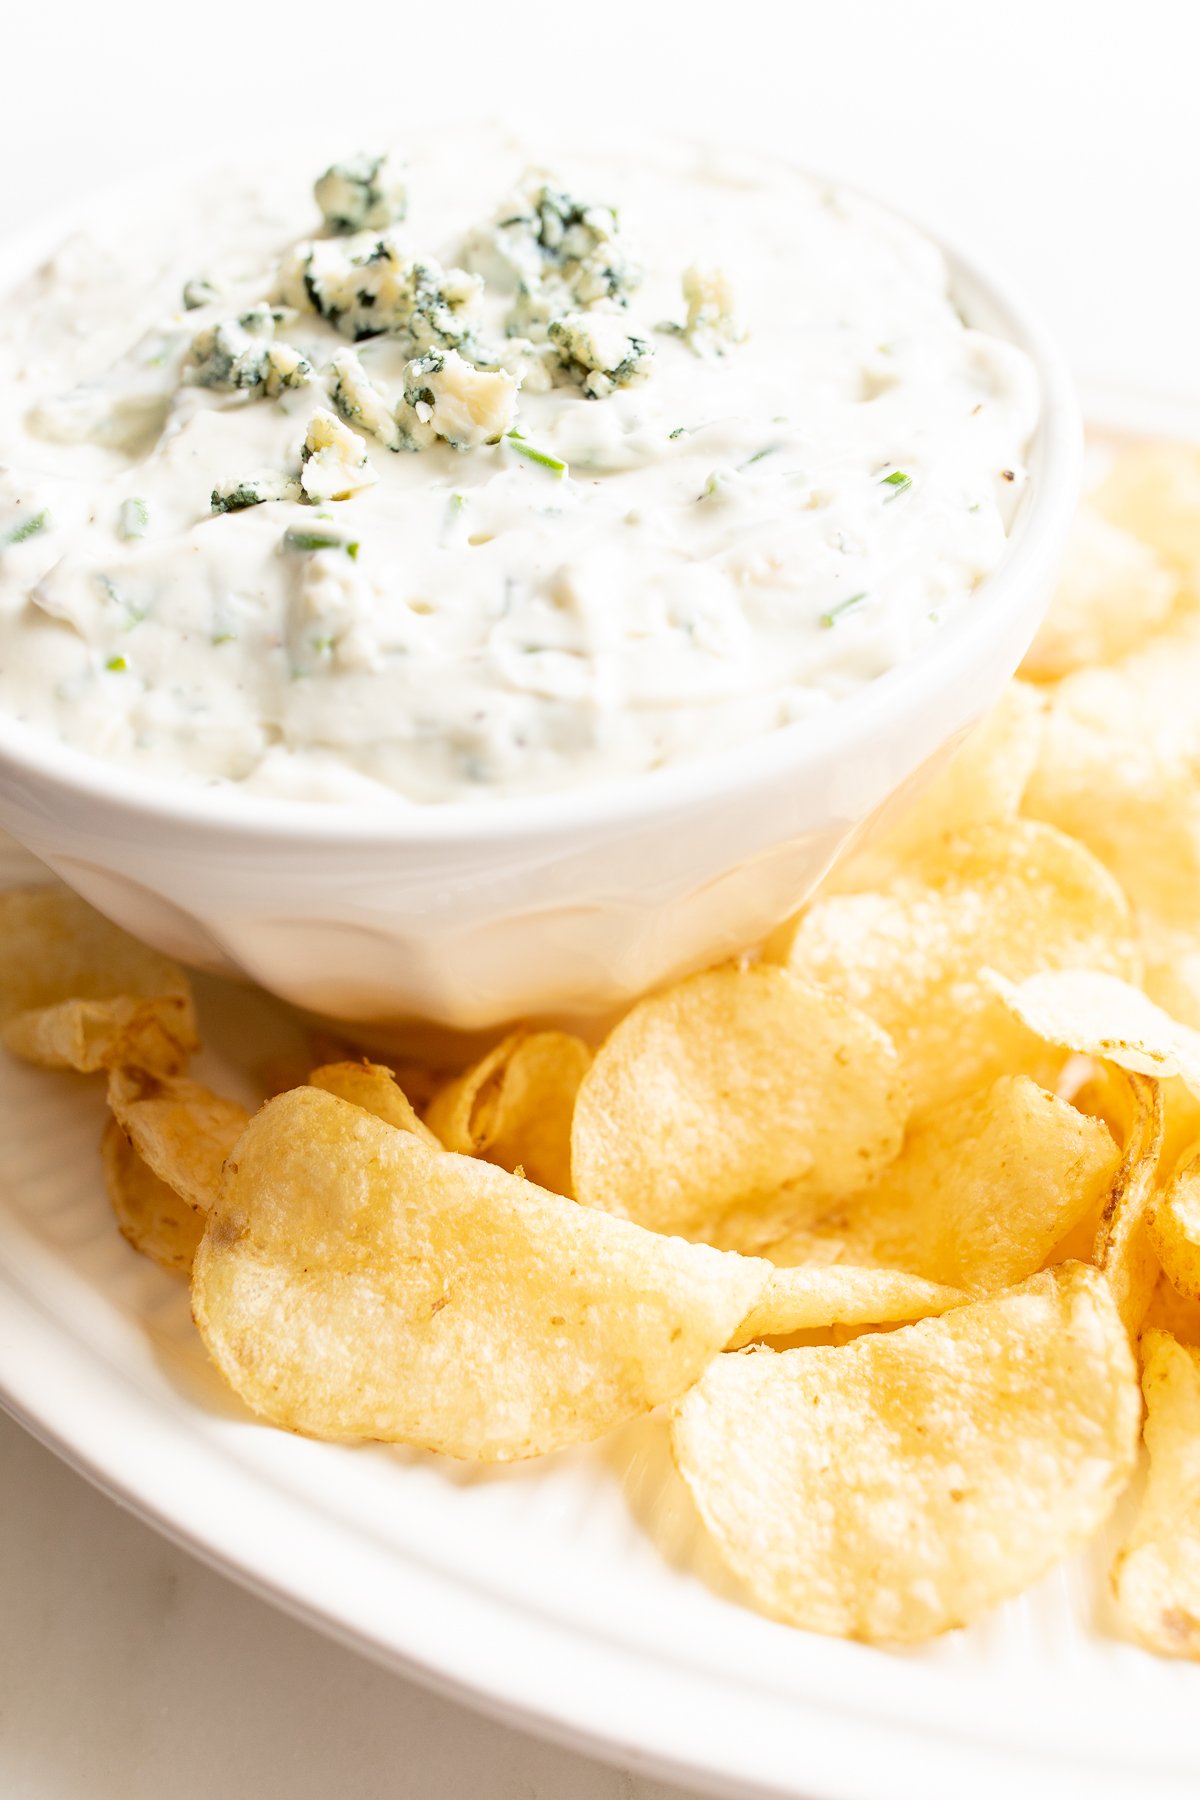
x,y
885,1217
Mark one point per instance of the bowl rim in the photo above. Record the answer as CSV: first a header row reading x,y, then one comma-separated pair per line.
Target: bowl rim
x,y
1037,536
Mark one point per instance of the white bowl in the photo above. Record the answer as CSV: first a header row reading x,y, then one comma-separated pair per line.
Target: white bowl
x,y
560,906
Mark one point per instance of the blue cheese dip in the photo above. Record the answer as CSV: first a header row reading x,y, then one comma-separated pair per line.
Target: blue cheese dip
x,y
487,470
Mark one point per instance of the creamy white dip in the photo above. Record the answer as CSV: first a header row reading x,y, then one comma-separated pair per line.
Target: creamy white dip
x,y
784,502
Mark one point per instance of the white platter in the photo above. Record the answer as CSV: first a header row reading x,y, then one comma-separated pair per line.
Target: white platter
x,y
572,1596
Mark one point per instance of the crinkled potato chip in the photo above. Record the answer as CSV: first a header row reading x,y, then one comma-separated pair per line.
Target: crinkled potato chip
x,y
514,1106
818,1298
1113,593
1169,1310
1118,1241
78,993
1119,770
981,1193
1098,1015
376,1090
151,1215
1174,1226
908,1481
1123,1250
1018,896
354,1283
711,1096
181,1130
1153,490
983,783
1156,1577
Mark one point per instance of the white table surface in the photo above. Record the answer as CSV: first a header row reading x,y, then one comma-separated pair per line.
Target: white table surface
x,y
1059,135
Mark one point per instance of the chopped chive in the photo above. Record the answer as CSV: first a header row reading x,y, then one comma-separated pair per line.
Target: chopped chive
x,y
767,450
224,637
304,541
27,528
899,483
540,457
117,664
843,606
133,519
680,431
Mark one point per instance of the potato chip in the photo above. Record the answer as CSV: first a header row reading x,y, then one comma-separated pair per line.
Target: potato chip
x,y
983,783
376,1090
1169,1310
1156,1577
908,1481
182,1131
1020,897
711,1096
1153,491
816,1299
1174,1226
1123,1250
151,1215
514,1106
983,1190
77,993
1098,1015
352,1282
1113,593
1119,770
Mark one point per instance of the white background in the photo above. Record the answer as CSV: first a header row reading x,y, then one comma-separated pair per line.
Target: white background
x,y
1057,136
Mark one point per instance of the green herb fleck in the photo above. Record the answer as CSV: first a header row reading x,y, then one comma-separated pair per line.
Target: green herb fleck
x,y
25,528
767,450
302,542
899,483
133,520
224,637
541,457
117,664
829,618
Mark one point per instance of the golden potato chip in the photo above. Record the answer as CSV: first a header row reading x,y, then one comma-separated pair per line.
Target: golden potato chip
x,y
1169,1310
1128,1105
151,1215
1019,897
376,1090
983,783
908,1481
1123,1250
711,1096
352,1282
1119,770
78,993
514,1106
1113,593
981,1193
1098,1015
181,1130
1153,491
1174,1227
818,1298
1156,1577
